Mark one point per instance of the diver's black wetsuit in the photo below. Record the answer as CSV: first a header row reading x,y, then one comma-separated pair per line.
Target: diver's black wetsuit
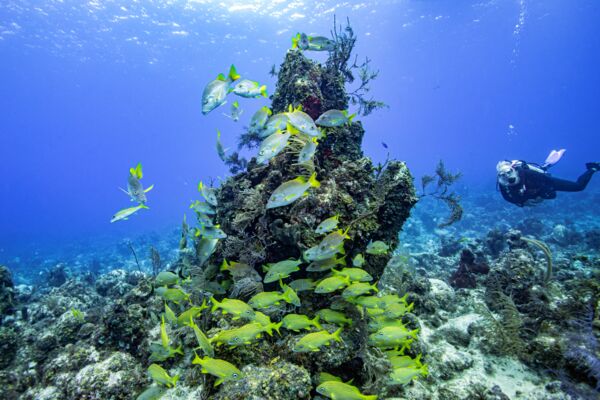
x,y
536,184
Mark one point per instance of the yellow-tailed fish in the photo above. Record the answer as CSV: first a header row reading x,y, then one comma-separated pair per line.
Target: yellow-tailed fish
x,y
272,145
159,353
396,310
324,265
236,269
159,375
328,225
333,118
274,123
358,289
354,274
175,295
152,393
280,270
235,112
202,207
377,248
358,260
266,299
308,150
290,191
222,369
392,336
336,390
245,334
211,232
320,43
164,338
259,119
297,322
192,312
314,341
302,285
220,149
166,278
405,361
203,342
135,189
402,376
205,247
169,314
331,284
334,317
127,212
304,123
208,194
235,307
216,91
250,89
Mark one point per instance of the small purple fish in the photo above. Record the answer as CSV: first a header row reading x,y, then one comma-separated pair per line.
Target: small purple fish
x,y
554,157
384,145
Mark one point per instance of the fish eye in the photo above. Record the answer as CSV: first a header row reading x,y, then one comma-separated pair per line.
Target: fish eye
x,y
235,375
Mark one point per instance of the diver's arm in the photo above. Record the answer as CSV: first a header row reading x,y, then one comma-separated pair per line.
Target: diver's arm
x,y
506,195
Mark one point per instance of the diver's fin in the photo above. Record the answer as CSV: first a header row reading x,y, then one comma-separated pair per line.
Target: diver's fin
x,y
594,166
553,158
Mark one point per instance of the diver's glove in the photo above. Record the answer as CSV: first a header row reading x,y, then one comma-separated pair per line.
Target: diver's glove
x,y
594,166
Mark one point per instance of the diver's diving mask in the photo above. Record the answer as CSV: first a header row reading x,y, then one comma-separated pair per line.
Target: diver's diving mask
x,y
507,174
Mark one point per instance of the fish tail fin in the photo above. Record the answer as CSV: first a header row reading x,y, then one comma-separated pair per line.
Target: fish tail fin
x,y
295,40
276,327
286,295
424,370
351,117
233,75
374,287
410,307
216,304
263,91
315,322
403,298
336,335
313,180
225,266
197,360
414,333
179,350
418,360
175,379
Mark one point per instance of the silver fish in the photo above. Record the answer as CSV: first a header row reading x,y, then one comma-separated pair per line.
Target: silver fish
x,y
272,146
127,212
215,92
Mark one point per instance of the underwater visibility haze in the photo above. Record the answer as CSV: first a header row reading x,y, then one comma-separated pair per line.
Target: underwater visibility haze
x,y
390,199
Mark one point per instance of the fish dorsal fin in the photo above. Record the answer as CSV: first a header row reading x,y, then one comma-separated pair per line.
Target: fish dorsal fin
x,y
221,78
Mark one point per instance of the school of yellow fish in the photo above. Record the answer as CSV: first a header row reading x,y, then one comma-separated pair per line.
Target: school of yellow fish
x,y
323,269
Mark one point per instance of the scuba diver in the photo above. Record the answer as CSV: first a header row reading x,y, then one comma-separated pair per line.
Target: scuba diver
x,y
527,184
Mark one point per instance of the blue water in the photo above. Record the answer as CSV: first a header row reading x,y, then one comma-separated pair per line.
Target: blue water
x,y
91,89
